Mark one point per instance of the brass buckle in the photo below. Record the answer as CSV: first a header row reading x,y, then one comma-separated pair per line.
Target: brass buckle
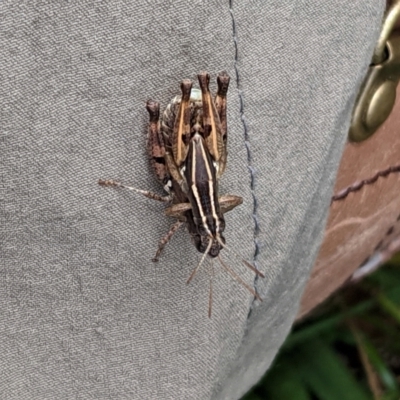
x,y
377,94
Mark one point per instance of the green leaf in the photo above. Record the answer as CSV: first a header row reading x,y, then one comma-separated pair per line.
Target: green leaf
x,y
390,396
386,277
326,374
324,325
389,331
385,374
317,328
389,306
284,382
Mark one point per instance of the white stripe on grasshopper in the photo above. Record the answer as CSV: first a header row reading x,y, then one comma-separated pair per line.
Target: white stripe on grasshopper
x,y
211,187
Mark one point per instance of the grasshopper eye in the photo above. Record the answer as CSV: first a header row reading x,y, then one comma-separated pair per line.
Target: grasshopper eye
x,y
215,249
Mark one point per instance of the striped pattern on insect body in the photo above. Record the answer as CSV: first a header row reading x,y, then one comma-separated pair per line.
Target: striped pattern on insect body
x,y
188,151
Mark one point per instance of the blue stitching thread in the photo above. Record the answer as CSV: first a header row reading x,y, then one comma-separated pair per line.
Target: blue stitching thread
x,y
248,150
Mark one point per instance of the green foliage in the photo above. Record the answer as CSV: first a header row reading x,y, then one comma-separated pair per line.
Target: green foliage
x,y
350,351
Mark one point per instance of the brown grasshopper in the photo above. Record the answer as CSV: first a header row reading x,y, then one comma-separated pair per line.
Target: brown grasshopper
x,y
188,151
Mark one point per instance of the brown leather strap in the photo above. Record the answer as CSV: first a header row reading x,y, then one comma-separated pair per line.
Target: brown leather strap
x,y
365,210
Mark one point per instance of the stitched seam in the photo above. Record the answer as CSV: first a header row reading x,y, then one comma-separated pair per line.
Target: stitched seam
x,y
248,151
359,184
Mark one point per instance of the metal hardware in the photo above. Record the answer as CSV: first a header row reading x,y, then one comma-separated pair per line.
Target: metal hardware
x,y
187,149
378,91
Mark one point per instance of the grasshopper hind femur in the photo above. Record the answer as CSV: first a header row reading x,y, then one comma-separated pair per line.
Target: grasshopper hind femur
x,y
188,151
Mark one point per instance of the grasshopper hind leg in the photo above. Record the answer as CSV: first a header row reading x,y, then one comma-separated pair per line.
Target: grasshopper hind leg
x,y
156,145
220,104
156,150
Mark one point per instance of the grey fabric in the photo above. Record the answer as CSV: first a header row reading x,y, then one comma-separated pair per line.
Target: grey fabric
x,y
84,313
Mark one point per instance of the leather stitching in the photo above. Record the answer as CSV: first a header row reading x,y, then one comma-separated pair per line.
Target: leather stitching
x,y
342,194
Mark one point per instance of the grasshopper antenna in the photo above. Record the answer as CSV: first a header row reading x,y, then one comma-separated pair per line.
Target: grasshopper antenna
x,y
246,263
239,279
200,263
